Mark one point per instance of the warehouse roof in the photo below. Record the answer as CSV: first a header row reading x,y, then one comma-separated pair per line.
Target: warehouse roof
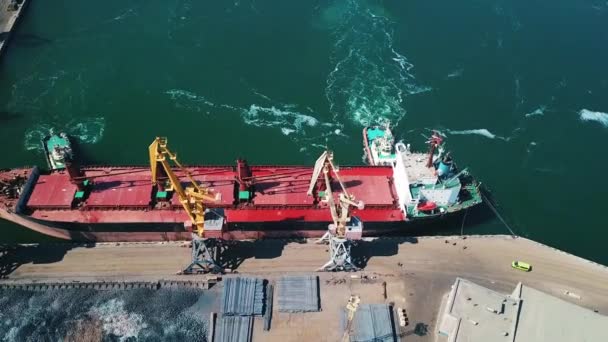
x,y
547,318
475,313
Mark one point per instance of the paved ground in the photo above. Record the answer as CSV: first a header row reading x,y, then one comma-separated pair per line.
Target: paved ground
x,y
7,20
417,273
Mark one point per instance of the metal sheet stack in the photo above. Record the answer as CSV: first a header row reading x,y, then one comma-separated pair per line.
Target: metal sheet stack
x,y
373,323
243,296
234,329
298,294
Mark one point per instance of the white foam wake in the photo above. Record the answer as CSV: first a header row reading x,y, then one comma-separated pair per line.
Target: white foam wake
x,y
289,121
483,132
185,99
125,14
537,112
455,73
588,115
299,124
87,131
370,79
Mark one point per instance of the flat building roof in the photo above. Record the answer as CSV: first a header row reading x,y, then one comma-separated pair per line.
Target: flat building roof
x,y
474,313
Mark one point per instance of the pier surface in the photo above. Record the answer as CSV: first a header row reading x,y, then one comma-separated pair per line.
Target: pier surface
x,y
8,18
417,273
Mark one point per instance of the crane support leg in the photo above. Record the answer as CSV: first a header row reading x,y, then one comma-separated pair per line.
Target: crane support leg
x,y
204,256
339,254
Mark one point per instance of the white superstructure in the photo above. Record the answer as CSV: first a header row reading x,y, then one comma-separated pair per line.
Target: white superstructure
x,y
416,183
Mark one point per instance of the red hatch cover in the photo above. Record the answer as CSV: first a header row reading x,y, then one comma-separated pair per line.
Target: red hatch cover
x,y
52,191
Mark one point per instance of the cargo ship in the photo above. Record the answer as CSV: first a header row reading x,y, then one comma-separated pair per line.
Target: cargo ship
x,y
133,203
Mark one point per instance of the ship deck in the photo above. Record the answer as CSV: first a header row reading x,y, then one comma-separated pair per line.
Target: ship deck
x,y
124,195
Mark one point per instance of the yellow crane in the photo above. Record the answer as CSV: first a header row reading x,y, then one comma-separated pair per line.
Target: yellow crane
x,y
351,309
340,212
193,196
339,242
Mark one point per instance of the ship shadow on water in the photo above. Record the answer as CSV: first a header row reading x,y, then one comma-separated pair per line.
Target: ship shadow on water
x,y
83,157
6,116
29,40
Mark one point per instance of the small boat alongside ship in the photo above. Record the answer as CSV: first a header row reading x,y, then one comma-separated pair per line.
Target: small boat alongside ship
x,y
133,203
57,150
379,145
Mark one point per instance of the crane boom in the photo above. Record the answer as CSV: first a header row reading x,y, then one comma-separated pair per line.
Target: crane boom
x,y
340,213
351,308
191,197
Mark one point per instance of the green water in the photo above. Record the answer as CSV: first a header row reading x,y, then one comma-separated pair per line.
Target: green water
x,y
518,87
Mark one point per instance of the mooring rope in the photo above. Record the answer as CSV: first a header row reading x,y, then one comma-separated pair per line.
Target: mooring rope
x,y
497,214
466,211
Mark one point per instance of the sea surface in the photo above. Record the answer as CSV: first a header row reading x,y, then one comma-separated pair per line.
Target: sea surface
x,y
519,88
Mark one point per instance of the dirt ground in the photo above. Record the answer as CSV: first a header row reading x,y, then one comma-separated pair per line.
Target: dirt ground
x,y
418,272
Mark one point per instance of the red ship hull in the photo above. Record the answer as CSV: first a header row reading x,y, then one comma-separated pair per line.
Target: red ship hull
x,y
168,232
120,204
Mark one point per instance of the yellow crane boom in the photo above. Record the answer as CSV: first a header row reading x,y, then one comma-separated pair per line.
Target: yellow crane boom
x,y
340,212
192,197
351,308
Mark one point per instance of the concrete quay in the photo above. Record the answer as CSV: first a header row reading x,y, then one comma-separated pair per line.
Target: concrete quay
x,y
411,273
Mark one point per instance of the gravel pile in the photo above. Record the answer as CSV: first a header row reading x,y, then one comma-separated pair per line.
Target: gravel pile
x,y
92,315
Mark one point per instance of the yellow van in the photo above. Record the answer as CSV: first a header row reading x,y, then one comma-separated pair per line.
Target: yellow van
x,y
520,265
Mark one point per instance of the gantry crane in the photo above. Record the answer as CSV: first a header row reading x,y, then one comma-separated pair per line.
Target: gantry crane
x,y
339,243
191,198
